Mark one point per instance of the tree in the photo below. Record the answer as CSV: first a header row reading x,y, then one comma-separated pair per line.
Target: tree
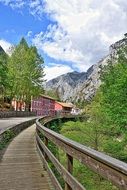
x,y
3,72
114,104
53,94
85,133
25,72
92,131
114,88
98,123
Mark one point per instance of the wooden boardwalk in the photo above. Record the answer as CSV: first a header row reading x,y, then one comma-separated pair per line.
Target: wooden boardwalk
x,y
21,167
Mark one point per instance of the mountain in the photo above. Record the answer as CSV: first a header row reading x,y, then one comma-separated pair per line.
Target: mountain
x,y
64,85
77,86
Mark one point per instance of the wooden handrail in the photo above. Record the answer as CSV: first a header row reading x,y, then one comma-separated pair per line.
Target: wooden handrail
x,y
110,168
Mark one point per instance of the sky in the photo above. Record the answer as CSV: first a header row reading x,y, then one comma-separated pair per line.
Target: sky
x,y
71,35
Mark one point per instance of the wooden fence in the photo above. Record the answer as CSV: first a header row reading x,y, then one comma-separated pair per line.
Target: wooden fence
x,y
111,169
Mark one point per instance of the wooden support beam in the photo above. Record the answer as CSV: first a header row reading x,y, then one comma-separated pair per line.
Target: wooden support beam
x,y
69,169
46,144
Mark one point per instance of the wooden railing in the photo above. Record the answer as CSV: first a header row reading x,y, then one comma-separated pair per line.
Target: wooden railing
x,y
111,169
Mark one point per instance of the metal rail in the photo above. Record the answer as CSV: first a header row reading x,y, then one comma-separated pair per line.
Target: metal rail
x,y
111,169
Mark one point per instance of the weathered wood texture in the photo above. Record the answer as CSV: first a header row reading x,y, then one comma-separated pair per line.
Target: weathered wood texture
x,y
111,169
21,167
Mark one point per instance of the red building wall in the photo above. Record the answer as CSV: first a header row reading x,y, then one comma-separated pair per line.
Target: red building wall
x,y
58,106
63,108
43,106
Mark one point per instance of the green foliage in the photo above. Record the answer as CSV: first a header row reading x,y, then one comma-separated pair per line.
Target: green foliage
x,y
92,135
117,147
114,89
8,135
21,74
56,125
25,72
57,175
81,104
3,72
53,94
89,179
109,137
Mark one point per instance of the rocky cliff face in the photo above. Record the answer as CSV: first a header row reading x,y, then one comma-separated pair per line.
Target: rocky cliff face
x,y
65,85
83,86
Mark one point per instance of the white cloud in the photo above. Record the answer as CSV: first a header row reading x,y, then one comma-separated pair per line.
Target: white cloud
x,y
60,47
5,45
83,30
36,8
29,34
54,70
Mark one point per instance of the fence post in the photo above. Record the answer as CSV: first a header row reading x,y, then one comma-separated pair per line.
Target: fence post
x,y
69,169
46,144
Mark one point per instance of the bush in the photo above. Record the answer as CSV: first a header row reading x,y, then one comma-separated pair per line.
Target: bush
x,y
8,135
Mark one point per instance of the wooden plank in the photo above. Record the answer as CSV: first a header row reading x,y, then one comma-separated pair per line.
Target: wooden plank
x,y
69,169
24,171
46,144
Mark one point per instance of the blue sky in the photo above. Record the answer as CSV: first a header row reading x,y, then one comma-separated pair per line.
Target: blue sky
x,y
16,23
70,35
